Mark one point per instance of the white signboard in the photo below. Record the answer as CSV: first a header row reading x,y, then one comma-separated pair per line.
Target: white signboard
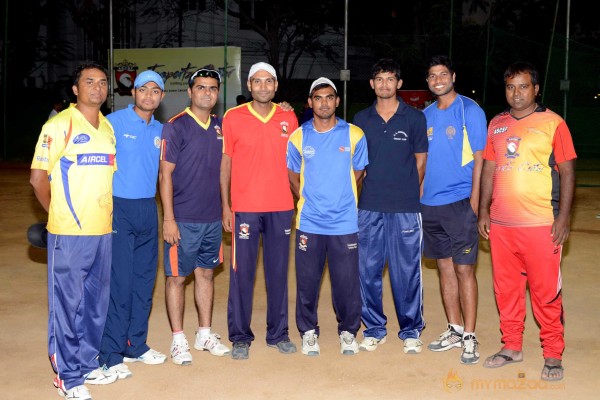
x,y
176,66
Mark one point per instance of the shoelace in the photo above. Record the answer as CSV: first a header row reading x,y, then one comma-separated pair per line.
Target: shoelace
x,y
180,348
470,344
212,341
347,338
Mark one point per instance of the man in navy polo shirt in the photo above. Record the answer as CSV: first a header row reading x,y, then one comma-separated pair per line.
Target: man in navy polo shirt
x,y
190,162
135,229
389,215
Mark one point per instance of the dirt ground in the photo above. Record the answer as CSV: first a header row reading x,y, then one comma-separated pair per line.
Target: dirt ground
x,y
385,374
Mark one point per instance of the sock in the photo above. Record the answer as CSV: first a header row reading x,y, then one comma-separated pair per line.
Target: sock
x,y
204,332
459,329
179,335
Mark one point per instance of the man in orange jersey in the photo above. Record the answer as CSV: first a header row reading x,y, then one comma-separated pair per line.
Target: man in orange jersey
x,y
528,180
254,173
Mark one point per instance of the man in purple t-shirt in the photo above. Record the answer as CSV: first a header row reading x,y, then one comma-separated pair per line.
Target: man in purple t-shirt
x,y
190,163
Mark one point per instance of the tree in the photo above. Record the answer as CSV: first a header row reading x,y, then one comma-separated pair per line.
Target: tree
x,y
291,30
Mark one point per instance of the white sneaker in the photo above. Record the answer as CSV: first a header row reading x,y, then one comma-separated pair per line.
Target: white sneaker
x,y
310,343
100,376
76,393
348,344
470,352
412,346
151,357
371,343
121,370
180,352
211,343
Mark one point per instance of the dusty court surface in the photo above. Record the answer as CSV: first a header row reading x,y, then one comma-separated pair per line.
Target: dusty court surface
x,y
385,374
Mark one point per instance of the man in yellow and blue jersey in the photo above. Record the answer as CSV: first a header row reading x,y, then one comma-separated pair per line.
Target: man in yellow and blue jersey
x,y
72,177
326,157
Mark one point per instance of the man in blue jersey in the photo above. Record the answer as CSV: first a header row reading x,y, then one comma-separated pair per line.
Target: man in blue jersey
x,y
135,229
389,216
190,162
457,131
326,157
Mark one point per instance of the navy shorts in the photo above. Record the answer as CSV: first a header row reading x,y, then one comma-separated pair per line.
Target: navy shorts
x,y
451,231
199,247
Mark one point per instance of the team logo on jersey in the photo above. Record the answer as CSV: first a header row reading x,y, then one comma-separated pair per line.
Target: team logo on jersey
x,y
219,132
497,131
81,138
430,134
512,146
450,132
400,135
244,231
343,149
308,152
303,243
157,142
128,136
284,128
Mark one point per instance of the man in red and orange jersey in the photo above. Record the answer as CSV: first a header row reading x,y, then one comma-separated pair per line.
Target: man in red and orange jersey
x,y
254,173
528,180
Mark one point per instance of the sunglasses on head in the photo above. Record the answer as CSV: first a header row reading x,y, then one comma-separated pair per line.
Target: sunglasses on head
x,y
205,73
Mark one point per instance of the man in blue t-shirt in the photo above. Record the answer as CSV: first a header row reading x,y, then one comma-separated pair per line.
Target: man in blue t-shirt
x,y
135,229
457,132
389,215
326,157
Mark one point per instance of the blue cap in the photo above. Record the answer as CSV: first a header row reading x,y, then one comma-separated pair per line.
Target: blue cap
x,y
149,76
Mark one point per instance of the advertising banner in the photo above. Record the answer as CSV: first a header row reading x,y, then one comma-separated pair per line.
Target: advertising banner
x,y
175,66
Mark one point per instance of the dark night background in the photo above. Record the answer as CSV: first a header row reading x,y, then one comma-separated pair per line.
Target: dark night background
x,y
482,36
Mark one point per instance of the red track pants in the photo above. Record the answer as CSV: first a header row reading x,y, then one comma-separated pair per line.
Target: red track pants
x,y
521,256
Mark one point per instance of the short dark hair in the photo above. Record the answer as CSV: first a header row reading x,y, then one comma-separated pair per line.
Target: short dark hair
x,y
385,65
87,65
521,67
440,59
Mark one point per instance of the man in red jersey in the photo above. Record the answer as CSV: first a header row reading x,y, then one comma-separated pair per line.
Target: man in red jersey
x,y
254,174
528,180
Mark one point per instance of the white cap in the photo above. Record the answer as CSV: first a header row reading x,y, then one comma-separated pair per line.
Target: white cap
x,y
321,81
262,66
